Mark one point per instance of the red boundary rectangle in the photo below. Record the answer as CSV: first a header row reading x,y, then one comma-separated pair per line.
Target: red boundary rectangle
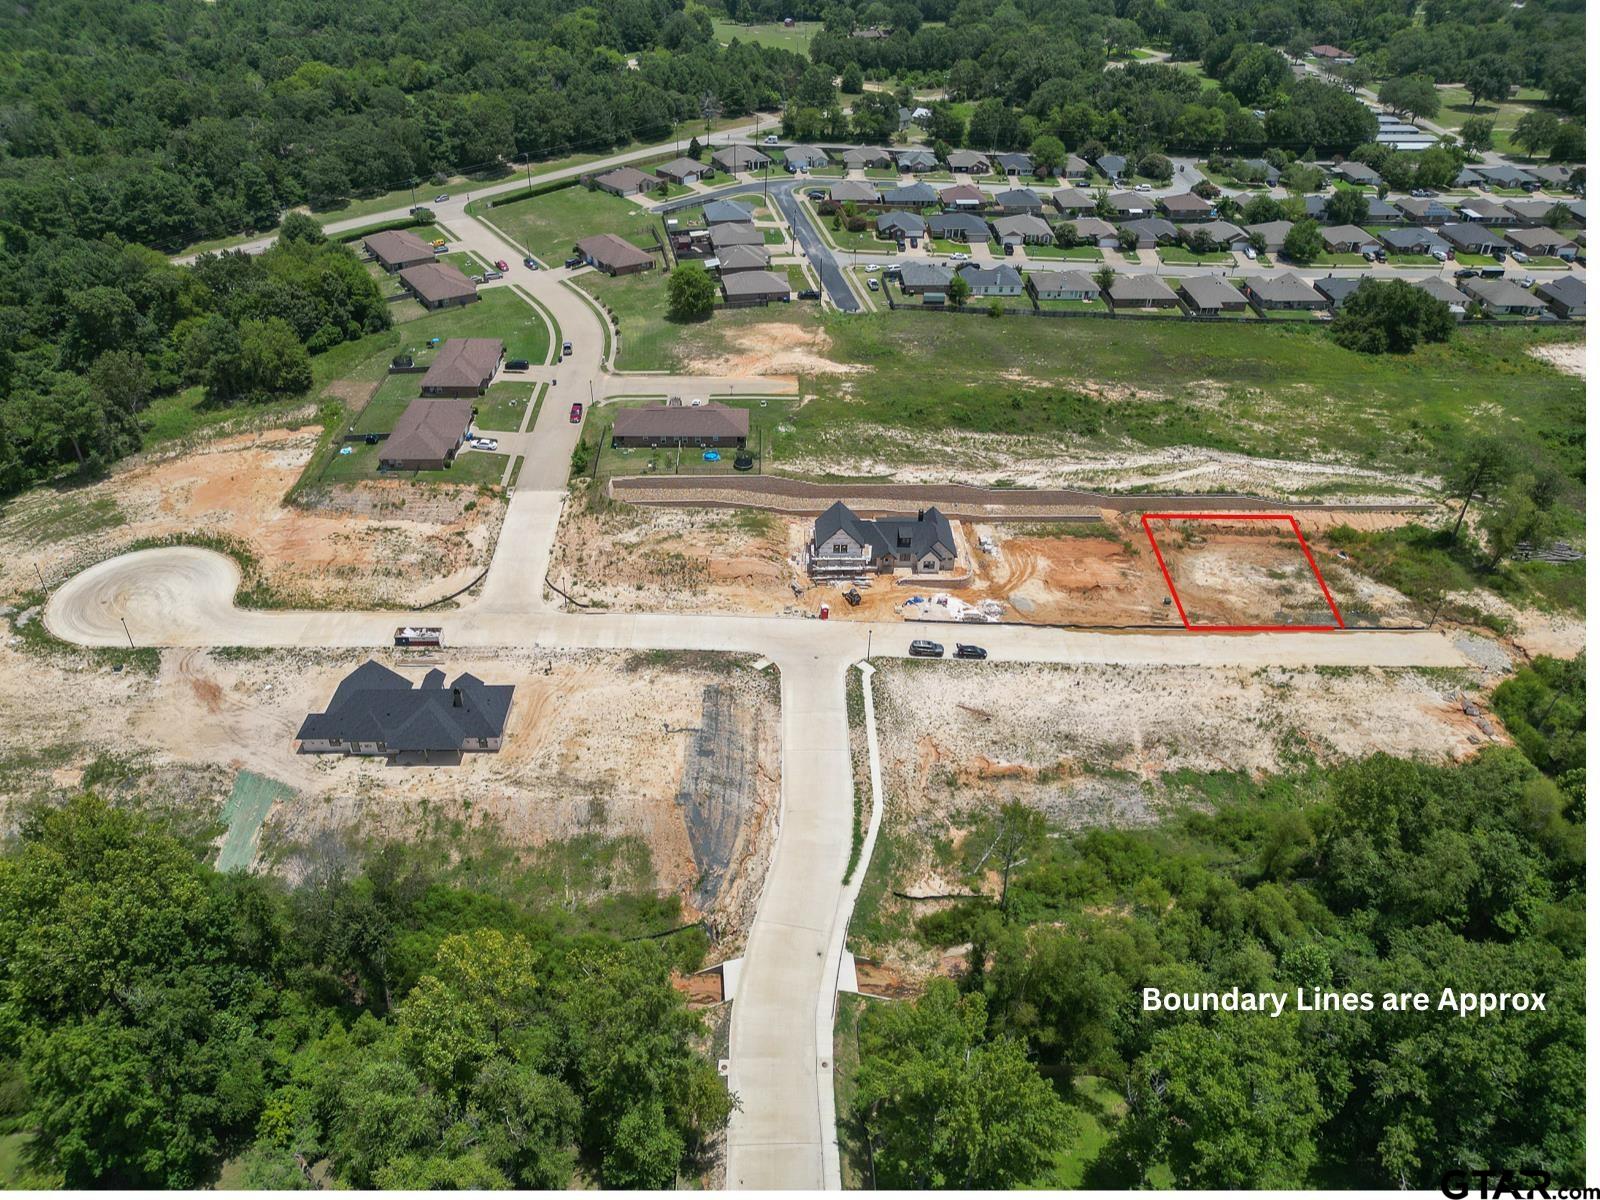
x,y
1145,520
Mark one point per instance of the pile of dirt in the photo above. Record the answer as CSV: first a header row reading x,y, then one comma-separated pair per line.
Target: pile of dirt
x,y
1567,357
771,348
378,543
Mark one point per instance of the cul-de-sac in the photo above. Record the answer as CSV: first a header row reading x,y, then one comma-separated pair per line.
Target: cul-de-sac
x,y
711,594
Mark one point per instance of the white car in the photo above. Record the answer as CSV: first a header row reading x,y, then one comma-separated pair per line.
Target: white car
x,y
870,268
961,258
483,443
441,197
1143,187
1250,252
770,140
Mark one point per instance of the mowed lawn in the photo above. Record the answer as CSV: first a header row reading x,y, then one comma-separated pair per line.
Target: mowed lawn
x,y
550,224
1263,389
795,38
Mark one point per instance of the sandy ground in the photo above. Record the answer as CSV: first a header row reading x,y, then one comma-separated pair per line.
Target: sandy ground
x,y
1568,357
381,542
596,745
1095,745
771,348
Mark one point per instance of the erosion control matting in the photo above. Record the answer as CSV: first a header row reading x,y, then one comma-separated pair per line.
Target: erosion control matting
x,y
244,811
718,788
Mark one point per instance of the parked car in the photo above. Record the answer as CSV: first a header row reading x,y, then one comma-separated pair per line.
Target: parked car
x,y
961,258
872,285
1250,253
1422,193
965,651
770,140
872,268
477,279
1467,273
531,263
500,264
516,364
575,414
816,194
566,348
483,443
493,275
1142,187
575,261
441,197
810,294
438,243
925,649
1518,256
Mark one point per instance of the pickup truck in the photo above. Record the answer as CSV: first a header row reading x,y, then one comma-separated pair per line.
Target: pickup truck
x,y
419,635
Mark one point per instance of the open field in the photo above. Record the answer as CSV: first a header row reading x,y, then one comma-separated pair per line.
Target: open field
x,y
550,224
796,38
577,769
1455,106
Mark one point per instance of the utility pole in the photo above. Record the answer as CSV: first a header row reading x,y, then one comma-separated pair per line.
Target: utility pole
x,y
124,621
42,585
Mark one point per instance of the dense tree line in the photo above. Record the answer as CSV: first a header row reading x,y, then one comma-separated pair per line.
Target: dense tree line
x,y
371,1028
1378,876
91,330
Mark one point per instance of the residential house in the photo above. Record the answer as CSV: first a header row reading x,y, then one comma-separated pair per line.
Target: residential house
x,y
1501,297
1142,291
1063,285
681,170
1357,173
921,278
1014,162
747,288
396,249
959,227
805,157
679,424
732,259
1112,166
1381,212
1337,288
1440,290
1260,168
902,226
1467,177
734,159
1541,242
1222,233
736,234
609,253
1129,206
1564,295
626,181
1186,206
844,544
1272,232
1531,212
1473,239
1094,230
463,367
438,285
1152,231
1019,200
1348,239
1072,201
967,162
1285,291
916,160
1316,206
1077,170
376,711
1554,176
1506,176
1425,210
912,195
1001,280
855,191
1485,212
727,212
427,436
1411,239
1332,54
963,195
862,157
1210,295
1023,229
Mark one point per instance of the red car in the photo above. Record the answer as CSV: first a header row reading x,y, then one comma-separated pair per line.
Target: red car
x,y
576,414
500,265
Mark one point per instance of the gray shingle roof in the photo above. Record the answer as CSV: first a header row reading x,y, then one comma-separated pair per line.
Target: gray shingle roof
x,y
375,704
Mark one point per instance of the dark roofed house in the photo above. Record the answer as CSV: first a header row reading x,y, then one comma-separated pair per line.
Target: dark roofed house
x,y
609,253
1545,243
1063,285
1485,212
1440,290
710,424
1505,176
1077,169
734,233
1348,239
1565,295
862,157
806,156
959,227
1467,177
1381,212
626,181
1072,201
1020,200
376,711
855,191
681,170
921,279
1101,233
1272,233
426,436
740,158
731,259
844,544
1223,233
912,195
916,159
463,367
1358,173
901,225
1409,239
1316,206
1152,231
754,287
1472,239
1024,228
1014,162
1501,297
1128,205
967,162
1001,280
1425,210
1337,288
1286,291
1186,206
1142,291
1210,295
726,212
1112,166
396,249
438,285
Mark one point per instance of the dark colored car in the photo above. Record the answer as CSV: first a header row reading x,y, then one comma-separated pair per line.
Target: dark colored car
x,y
531,263
965,651
810,294
574,261
516,364
500,264
925,649
1467,273
576,414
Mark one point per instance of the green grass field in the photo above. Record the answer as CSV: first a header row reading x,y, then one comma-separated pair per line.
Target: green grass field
x,y
502,407
796,38
549,225
1455,106
1088,254
766,414
1180,255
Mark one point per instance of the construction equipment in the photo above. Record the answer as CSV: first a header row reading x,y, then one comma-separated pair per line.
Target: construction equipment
x,y
852,597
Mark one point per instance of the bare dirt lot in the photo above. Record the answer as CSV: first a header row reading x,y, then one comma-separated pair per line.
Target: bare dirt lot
x,y
1099,745
771,348
599,744
384,543
641,558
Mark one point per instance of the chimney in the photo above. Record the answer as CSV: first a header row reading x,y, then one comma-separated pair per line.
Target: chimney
x,y
455,697
921,512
